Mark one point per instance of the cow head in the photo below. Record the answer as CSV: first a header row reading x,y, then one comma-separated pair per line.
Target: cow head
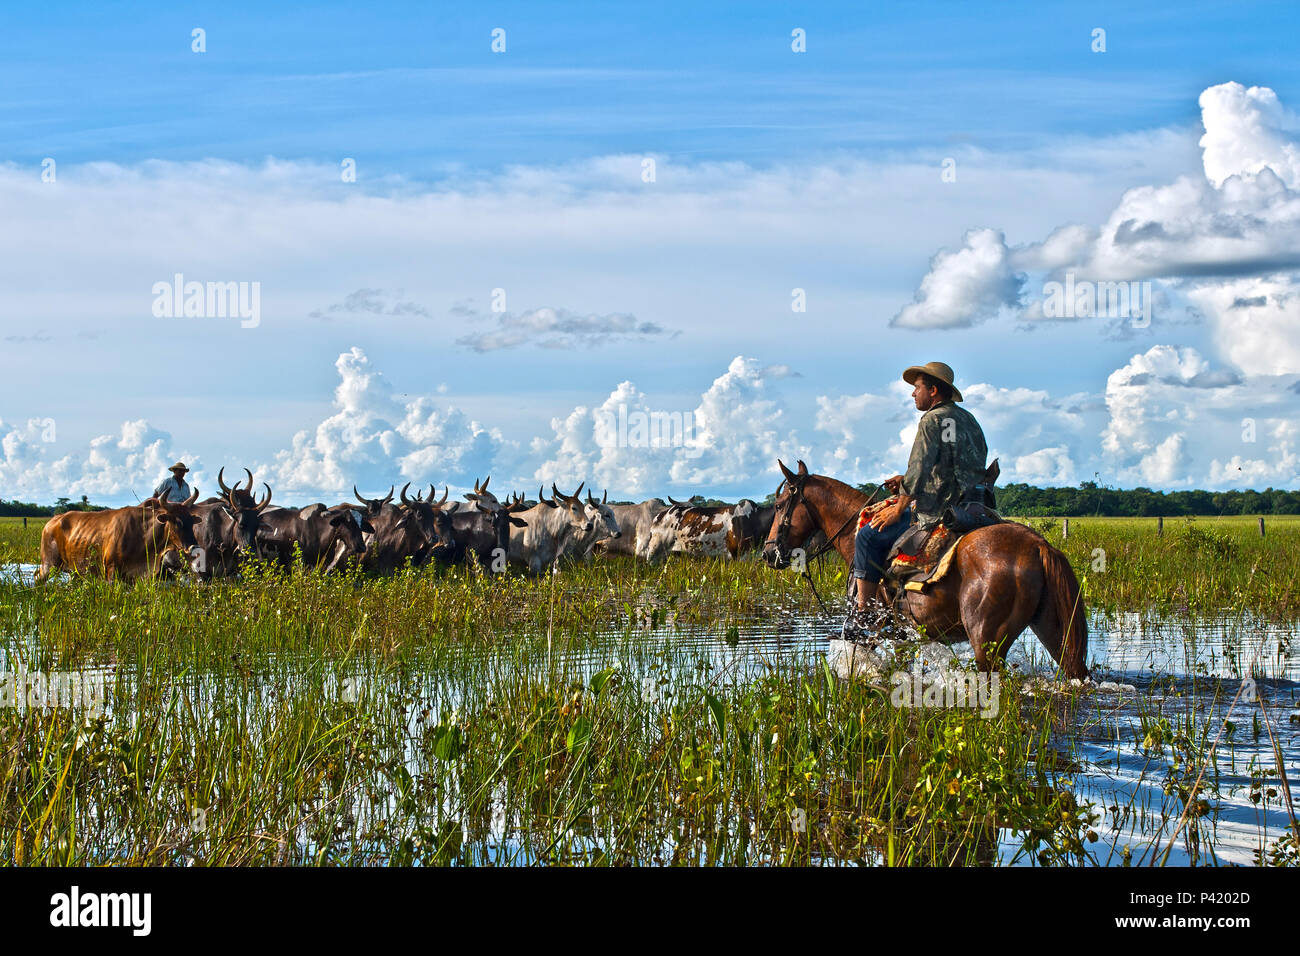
x,y
244,511
590,517
178,520
373,506
432,522
663,531
481,496
502,516
603,515
343,539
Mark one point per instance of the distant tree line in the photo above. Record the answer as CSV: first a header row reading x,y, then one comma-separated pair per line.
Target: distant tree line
x,y
26,509
1090,498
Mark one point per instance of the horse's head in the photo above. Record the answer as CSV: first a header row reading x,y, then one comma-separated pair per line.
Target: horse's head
x,y
793,521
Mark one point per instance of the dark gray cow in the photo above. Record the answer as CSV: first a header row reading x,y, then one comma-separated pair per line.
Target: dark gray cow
x,y
328,538
226,532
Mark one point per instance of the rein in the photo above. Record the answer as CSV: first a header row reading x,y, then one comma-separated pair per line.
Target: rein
x,y
787,519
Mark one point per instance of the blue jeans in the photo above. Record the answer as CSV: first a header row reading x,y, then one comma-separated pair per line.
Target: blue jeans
x,y
871,547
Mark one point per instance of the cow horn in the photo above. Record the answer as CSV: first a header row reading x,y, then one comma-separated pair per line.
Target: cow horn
x,y
249,489
483,490
390,495
446,490
590,500
578,491
604,497
194,496
225,490
267,500
365,501
679,504
405,500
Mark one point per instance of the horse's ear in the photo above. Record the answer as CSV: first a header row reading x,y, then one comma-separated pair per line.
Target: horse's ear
x,y
789,475
803,469
991,475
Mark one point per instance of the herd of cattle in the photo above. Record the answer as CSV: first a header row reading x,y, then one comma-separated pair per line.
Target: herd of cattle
x,y
211,538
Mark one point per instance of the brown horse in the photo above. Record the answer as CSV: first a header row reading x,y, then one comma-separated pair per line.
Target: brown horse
x,y
1005,577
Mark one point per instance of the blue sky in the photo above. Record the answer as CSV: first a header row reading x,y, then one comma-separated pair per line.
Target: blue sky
x,y
521,171
413,88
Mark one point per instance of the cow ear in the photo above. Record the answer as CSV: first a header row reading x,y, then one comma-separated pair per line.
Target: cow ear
x,y
518,522
367,527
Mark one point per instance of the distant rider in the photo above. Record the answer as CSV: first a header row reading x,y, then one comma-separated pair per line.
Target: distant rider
x,y
173,487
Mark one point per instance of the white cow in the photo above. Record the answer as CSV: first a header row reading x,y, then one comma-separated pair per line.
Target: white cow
x,y
636,522
561,529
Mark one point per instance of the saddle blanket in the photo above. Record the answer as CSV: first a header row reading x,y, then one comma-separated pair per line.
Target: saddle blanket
x,y
917,563
929,564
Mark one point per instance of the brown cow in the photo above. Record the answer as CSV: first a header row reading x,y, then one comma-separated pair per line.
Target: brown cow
x,y
122,543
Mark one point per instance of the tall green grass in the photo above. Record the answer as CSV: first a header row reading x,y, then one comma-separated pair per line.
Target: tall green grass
x,y
1198,565
448,755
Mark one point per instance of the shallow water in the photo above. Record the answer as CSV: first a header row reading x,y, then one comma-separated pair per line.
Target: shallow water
x,y
1168,669
1165,669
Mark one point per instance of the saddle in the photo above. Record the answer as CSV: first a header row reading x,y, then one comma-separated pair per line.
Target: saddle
x,y
922,555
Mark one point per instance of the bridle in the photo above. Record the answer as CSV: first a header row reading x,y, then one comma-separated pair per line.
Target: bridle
x,y
787,515
787,519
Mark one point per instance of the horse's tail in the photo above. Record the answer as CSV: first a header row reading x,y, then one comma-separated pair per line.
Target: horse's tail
x,y
1062,590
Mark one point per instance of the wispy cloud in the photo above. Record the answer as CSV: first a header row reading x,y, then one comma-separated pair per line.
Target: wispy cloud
x,y
371,302
549,328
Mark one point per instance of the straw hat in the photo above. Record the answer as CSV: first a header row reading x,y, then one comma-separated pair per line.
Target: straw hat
x,y
936,370
179,466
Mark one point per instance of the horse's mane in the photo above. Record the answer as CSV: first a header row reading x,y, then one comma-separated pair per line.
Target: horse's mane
x,y
836,484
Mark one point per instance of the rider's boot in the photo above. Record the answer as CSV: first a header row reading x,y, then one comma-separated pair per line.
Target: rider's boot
x,y
865,625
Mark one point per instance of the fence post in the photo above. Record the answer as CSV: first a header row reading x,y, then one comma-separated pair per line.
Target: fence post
x,y
25,523
1160,526
1065,528
1261,526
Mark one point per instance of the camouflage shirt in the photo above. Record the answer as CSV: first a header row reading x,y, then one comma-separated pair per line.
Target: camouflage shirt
x,y
947,458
